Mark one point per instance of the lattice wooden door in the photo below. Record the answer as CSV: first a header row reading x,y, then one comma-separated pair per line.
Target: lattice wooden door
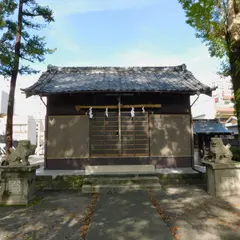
x,y
117,135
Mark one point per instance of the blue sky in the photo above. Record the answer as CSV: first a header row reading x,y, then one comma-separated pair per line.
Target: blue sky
x,y
121,33
98,36
99,32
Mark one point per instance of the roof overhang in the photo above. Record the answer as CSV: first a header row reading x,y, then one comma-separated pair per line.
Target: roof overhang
x,y
209,126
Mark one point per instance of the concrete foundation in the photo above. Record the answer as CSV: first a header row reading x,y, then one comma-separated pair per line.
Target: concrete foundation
x,y
17,184
223,179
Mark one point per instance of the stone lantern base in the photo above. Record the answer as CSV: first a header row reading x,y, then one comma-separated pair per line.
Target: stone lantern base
x,y
17,186
223,179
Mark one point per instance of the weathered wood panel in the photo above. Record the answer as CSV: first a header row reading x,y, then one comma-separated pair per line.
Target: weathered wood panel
x,y
170,135
68,137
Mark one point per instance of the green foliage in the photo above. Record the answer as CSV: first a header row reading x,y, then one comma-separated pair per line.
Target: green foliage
x,y
33,47
33,149
34,202
209,19
60,183
217,23
236,153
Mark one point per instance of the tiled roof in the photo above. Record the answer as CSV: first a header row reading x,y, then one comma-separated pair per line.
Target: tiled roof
x,y
205,126
117,79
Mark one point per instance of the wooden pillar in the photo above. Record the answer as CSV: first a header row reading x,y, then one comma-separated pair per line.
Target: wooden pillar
x,y
119,125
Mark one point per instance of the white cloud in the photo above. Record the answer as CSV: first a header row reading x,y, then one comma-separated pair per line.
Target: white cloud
x,y
197,60
65,7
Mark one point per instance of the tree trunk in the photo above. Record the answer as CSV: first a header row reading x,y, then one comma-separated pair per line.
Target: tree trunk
x,y
234,59
10,109
233,44
235,75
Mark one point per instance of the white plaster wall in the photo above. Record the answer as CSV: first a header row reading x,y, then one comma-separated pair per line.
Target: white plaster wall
x,y
23,121
41,129
204,107
26,122
2,126
32,130
3,102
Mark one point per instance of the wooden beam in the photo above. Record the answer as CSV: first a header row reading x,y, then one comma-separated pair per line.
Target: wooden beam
x,y
142,105
78,107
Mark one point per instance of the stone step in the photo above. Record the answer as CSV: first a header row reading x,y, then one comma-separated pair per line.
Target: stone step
x,y
120,180
101,169
186,178
191,181
119,187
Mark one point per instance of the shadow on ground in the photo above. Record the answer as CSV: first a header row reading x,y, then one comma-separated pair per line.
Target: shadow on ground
x,y
58,216
129,216
132,215
197,215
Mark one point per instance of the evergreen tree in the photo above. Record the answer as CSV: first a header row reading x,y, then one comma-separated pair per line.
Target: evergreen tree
x,y
20,21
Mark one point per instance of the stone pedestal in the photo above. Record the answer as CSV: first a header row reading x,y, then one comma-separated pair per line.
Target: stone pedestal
x,y
17,184
223,179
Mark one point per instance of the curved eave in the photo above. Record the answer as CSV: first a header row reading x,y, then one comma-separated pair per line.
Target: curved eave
x,y
43,94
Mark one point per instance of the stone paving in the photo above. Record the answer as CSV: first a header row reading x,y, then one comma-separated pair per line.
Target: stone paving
x,y
57,216
193,214
186,211
129,216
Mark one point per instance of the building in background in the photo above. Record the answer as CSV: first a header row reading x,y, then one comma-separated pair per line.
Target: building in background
x,y
231,125
40,131
24,128
219,106
3,103
223,99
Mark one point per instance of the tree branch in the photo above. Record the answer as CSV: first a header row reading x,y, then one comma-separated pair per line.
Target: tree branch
x,y
28,14
26,59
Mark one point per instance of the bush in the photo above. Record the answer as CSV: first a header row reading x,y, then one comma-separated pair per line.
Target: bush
x,y
33,149
236,153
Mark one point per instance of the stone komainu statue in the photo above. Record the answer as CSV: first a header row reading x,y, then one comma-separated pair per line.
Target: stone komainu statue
x,y
19,157
218,152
